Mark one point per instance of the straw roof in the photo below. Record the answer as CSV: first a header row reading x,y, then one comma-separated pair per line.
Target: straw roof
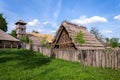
x,y
5,36
90,41
37,35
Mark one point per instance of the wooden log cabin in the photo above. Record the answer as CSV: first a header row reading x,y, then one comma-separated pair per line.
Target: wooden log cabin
x,y
7,41
65,34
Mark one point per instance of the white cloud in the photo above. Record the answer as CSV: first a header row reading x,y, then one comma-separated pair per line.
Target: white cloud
x,y
41,30
45,23
85,20
35,22
106,31
53,31
117,17
52,23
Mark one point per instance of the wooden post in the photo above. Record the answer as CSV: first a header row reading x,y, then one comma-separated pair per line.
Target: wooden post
x,y
4,45
116,59
88,58
119,59
100,55
103,58
107,58
97,58
94,58
11,46
82,60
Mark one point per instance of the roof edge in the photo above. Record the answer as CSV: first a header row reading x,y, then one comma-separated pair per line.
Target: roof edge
x,y
73,24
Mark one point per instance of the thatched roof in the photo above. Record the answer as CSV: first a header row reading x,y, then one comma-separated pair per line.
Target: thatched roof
x,y
38,35
20,22
90,41
5,36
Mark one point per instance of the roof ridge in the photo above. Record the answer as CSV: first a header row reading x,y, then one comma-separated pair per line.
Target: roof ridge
x,y
73,24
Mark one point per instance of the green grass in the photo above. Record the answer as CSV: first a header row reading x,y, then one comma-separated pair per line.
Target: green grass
x,y
28,65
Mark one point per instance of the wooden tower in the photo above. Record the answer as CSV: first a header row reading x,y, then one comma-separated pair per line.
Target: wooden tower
x,y
20,28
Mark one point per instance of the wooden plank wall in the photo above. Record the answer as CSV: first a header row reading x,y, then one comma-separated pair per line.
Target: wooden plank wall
x,y
96,58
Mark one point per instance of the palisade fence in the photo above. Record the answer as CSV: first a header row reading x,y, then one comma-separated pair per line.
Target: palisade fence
x,y
109,58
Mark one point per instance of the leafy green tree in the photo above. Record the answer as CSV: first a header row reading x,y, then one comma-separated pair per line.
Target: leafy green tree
x,y
30,41
114,42
13,33
23,39
78,38
119,45
3,23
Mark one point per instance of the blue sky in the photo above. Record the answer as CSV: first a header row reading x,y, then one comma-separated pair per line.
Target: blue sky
x,y
46,16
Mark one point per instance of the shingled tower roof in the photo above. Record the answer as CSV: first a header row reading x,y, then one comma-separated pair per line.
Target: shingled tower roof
x,y
20,22
90,41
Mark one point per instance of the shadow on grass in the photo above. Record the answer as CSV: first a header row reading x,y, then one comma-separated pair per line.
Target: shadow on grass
x,y
25,58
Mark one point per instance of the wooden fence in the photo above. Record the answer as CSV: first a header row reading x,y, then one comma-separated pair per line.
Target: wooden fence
x,y
98,58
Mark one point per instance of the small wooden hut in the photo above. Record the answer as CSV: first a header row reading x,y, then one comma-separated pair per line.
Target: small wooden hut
x,y
7,41
65,34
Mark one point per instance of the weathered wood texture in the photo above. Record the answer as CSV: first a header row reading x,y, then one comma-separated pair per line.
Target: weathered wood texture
x,y
96,58
64,38
8,44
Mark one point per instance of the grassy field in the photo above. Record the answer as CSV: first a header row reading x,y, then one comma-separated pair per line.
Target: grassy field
x,y
28,65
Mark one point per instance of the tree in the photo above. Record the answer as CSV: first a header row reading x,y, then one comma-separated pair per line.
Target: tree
x,y
23,39
107,42
35,31
3,23
97,34
78,38
119,45
114,42
13,33
30,41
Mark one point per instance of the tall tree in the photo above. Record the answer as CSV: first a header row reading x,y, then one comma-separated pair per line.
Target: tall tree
x,y
97,34
13,33
3,23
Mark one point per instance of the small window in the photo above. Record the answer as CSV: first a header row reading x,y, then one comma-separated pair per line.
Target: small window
x,y
21,29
